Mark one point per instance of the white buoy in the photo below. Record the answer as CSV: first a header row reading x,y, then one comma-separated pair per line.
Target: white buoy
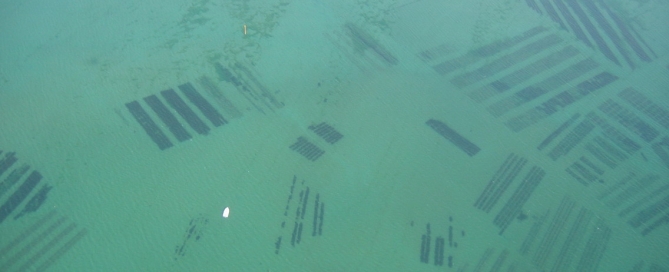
x,y
226,212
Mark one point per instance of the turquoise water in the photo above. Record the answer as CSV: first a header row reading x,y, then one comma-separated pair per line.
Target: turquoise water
x,y
342,135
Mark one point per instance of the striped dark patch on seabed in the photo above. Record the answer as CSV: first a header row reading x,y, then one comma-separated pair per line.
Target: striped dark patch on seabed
x,y
41,244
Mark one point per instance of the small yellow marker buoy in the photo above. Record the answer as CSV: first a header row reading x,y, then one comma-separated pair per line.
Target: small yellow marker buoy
x,y
244,29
